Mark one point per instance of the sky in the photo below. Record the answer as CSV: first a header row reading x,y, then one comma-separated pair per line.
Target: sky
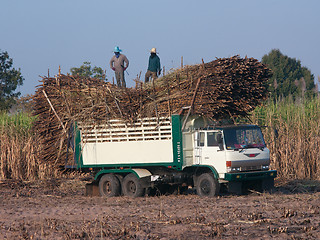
x,y
42,35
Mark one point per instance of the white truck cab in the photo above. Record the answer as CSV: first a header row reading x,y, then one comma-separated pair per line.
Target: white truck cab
x,y
232,149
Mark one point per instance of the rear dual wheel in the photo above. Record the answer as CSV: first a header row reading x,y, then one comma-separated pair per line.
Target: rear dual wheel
x,y
132,187
109,186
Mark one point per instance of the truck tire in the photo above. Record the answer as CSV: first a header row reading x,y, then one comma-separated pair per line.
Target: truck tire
x,y
120,178
109,186
131,186
207,185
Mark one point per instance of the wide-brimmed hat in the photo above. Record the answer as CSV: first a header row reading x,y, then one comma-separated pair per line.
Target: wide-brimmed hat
x,y
117,49
153,50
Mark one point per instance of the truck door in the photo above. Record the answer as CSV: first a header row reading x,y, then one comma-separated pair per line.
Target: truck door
x,y
199,144
210,150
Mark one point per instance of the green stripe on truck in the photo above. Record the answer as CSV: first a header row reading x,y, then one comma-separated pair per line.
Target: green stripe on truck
x,y
177,141
77,141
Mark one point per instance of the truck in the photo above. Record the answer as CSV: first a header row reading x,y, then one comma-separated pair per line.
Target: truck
x,y
183,151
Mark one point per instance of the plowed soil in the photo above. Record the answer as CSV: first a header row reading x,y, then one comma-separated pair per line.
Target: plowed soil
x,y
59,209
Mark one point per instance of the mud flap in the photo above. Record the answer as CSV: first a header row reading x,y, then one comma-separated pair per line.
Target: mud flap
x,y
267,184
92,190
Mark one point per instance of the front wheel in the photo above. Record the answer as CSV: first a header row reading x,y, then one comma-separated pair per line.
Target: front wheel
x,y
109,186
207,185
132,187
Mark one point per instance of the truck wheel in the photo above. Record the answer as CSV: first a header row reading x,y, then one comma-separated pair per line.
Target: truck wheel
x,y
207,185
109,186
131,186
120,178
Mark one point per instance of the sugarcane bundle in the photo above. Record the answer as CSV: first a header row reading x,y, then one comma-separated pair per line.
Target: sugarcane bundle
x,y
224,88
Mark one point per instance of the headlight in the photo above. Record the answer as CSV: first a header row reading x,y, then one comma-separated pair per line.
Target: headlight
x,y
265,167
233,169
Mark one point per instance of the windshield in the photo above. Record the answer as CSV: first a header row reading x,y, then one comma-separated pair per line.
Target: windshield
x,y
239,138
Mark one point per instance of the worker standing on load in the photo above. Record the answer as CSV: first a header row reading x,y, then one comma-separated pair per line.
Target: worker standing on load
x,y
119,63
154,68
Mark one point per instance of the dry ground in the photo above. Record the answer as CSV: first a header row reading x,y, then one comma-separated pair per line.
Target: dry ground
x,y
59,209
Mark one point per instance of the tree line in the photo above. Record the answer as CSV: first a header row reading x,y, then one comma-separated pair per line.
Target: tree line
x,y
289,77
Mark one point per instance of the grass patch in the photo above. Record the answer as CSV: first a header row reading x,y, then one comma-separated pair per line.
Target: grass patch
x,y
20,148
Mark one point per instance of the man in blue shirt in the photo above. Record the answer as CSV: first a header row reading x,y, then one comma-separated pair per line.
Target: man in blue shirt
x,y
154,68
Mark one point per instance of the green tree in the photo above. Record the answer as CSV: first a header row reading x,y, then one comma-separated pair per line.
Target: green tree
x,y
10,79
289,78
85,70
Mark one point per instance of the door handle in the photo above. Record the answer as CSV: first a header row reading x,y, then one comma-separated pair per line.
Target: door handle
x,y
206,157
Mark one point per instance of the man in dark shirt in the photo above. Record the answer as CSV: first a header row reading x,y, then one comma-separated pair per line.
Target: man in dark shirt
x,y
154,68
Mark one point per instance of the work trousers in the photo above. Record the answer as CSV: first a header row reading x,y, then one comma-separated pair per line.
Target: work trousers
x,y
150,74
120,79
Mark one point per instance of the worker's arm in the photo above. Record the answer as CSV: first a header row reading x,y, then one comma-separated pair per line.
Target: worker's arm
x,y
126,61
111,63
159,66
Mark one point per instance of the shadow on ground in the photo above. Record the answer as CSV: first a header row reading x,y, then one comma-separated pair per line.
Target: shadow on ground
x,y
296,186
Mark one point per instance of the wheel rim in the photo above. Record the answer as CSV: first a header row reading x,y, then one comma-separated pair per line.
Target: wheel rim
x,y
107,188
132,187
205,187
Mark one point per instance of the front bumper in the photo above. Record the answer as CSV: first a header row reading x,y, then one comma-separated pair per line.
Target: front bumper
x,y
248,176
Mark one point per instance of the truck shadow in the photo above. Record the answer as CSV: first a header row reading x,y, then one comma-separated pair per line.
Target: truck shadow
x,y
282,186
296,186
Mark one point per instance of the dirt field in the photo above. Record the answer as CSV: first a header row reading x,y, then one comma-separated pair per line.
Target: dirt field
x,y
59,209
